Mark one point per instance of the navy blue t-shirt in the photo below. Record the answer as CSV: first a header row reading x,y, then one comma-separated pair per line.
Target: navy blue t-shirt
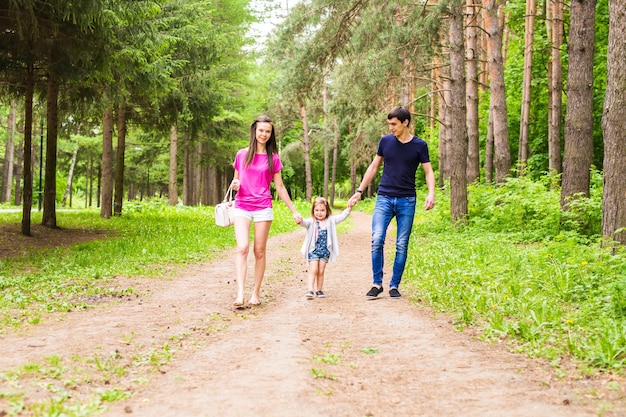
x,y
400,165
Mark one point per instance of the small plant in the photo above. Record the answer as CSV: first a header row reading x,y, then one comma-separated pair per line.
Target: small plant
x,y
328,357
322,374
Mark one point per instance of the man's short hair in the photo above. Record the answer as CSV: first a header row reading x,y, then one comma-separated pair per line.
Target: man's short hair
x,y
401,114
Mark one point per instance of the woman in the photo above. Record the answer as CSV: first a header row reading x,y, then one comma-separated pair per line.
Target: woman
x,y
255,169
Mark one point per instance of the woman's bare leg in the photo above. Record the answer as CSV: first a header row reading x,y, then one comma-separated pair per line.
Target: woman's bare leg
x,y
242,237
261,233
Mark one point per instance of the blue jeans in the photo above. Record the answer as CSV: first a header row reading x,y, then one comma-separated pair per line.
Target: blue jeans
x,y
403,208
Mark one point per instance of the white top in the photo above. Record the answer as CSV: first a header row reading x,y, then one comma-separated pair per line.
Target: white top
x,y
332,242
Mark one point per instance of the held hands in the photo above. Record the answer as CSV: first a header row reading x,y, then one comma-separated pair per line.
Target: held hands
x,y
297,217
354,199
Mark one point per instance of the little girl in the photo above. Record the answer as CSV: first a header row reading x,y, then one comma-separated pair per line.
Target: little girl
x,y
321,244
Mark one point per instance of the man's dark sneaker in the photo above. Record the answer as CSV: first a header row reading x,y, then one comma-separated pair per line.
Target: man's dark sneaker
x,y
320,294
394,293
373,293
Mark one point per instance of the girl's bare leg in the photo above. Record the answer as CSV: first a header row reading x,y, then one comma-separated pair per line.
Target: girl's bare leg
x,y
313,268
261,233
242,237
320,275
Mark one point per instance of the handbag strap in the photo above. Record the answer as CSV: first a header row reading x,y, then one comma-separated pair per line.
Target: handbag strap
x,y
229,194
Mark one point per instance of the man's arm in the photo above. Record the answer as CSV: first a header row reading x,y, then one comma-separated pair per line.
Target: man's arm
x,y
368,177
430,183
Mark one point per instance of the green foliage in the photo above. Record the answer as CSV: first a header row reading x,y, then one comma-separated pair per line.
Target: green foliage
x,y
524,271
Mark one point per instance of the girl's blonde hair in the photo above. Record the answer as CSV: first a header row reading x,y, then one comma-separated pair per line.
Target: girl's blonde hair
x,y
321,200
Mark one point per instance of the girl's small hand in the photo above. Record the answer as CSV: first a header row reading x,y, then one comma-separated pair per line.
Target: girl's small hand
x,y
297,218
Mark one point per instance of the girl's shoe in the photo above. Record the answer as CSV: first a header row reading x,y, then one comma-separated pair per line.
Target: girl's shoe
x,y
310,295
320,294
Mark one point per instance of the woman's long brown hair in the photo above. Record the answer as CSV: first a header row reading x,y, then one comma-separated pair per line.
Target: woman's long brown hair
x,y
270,146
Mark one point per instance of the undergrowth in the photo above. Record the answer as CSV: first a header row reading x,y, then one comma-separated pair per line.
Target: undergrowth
x,y
523,270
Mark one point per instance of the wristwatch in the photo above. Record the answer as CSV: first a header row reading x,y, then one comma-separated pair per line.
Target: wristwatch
x,y
358,190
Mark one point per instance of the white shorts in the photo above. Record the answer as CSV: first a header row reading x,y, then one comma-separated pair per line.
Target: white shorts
x,y
265,215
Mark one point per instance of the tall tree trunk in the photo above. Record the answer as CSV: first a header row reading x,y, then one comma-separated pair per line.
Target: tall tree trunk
x,y
90,180
172,188
554,129
498,106
549,36
28,143
107,164
197,176
70,177
99,183
489,157
307,153
522,156
578,140
472,56
614,128
186,174
335,156
458,116
19,166
49,218
120,158
326,139
9,154
444,132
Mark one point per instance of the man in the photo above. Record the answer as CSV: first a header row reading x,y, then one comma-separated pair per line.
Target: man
x,y
400,153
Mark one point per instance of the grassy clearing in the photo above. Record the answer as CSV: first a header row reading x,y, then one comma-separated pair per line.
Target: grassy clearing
x,y
524,271
149,240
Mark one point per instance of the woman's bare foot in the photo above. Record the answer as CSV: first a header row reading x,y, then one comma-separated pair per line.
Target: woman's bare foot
x,y
238,302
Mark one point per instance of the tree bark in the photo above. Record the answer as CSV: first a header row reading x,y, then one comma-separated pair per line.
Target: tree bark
x,y
9,155
489,150
335,155
107,165
28,141
172,188
472,57
498,105
578,140
444,133
554,129
614,128
120,158
326,139
50,183
70,178
307,153
458,116
522,156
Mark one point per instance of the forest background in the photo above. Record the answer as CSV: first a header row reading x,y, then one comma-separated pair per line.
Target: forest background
x,y
117,103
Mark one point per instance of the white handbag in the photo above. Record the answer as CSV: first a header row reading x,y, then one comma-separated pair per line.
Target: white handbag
x,y
224,210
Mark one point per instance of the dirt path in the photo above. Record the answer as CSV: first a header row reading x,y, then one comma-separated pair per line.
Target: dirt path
x,y
339,356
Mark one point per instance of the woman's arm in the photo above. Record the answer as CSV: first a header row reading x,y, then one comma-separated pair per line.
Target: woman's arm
x,y
284,195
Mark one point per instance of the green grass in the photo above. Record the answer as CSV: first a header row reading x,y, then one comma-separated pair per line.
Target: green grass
x,y
520,271
148,240
525,272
